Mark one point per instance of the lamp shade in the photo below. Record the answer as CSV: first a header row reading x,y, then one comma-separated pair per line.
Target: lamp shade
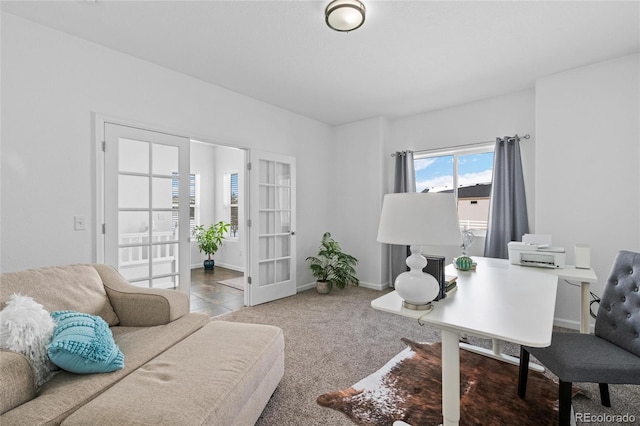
x,y
415,218
345,15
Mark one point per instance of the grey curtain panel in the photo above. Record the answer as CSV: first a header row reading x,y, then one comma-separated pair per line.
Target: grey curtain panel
x,y
508,219
404,181
405,175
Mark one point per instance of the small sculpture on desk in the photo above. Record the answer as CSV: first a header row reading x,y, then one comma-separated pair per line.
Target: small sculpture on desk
x,y
464,262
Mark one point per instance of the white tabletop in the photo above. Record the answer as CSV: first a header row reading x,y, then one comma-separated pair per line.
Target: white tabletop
x,y
572,273
497,300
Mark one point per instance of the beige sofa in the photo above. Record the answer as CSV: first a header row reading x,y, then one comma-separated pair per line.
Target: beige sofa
x,y
180,367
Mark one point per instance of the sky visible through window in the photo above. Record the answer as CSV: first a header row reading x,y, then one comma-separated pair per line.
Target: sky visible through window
x,y
436,173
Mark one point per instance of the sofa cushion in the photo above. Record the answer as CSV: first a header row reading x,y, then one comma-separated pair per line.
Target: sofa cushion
x,y
139,306
26,327
75,287
17,384
222,375
83,344
66,392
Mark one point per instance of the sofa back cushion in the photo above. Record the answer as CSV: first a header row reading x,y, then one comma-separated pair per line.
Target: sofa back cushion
x,y
74,287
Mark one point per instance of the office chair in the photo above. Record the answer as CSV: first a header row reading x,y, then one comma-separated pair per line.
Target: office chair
x,y
611,355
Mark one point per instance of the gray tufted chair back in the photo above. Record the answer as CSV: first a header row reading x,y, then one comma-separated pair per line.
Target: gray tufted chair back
x,y
618,319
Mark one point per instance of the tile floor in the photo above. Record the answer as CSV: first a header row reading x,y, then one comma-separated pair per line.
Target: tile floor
x,y
211,298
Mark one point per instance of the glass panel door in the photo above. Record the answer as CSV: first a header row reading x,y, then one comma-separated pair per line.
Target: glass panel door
x,y
146,206
272,178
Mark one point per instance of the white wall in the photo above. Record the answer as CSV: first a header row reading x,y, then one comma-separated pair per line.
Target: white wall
x,y
51,85
581,164
231,254
466,124
357,175
202,163
587,166
362,167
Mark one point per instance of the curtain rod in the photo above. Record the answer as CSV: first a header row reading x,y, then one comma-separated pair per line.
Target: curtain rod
x,y
527,136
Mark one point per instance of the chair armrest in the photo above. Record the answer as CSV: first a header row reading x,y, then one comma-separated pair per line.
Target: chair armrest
x,y
17,385
138,306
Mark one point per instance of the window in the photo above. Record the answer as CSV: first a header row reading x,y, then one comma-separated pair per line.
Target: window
x,y
466,172
231,197
193,200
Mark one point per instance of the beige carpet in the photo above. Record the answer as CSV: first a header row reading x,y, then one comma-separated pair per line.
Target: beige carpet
x,y
237,282
333,341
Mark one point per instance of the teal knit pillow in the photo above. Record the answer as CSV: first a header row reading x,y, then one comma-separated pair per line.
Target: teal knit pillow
x,y
83,344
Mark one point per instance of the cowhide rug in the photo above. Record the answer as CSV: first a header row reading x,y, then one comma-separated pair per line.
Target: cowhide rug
x,y
409,388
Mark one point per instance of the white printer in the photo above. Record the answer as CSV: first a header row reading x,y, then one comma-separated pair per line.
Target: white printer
x,y
535,250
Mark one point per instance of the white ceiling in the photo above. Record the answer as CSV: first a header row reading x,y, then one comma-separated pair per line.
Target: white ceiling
x,y
408,57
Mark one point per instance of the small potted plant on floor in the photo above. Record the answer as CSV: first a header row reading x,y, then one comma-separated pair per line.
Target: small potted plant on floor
x,y
210,240
331,266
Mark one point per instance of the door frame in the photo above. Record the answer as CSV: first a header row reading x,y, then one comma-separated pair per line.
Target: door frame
x,y
98,121
255,156
160,256
98,213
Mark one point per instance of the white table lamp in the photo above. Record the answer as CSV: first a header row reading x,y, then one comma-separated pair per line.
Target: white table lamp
x,y
419,219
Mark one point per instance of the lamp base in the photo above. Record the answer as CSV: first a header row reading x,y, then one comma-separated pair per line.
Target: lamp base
x,y
415,307
417,288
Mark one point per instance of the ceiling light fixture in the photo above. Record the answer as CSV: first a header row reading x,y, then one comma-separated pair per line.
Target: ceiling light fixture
x,y
344,15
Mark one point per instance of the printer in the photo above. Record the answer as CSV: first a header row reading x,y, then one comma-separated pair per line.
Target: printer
x,y
541,255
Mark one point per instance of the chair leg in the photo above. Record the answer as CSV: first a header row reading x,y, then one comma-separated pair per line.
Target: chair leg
x,y
604,394
523,373
564,416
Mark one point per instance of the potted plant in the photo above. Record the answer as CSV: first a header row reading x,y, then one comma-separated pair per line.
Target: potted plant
x,y
210,240
331,266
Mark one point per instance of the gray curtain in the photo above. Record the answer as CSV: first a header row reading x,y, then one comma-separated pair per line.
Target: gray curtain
x,y
404,181
508,211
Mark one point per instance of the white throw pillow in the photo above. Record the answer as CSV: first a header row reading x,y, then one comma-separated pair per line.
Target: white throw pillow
x,y
26,327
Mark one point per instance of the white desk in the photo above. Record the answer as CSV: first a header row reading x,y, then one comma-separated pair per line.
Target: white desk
x,y
585,277
497,301
571,273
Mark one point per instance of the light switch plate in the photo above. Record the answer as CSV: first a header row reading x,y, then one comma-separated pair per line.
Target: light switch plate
x,y
80,223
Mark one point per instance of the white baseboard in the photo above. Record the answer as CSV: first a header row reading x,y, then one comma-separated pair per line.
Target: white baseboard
x,y
223,265
232,267
380,286
304,287
308,286
570,324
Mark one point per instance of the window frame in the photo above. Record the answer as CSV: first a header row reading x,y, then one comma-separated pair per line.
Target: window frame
x,y
195,178
457,152
228,205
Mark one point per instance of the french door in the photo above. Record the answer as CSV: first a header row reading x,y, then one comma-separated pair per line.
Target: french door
x,y
146,203
272,227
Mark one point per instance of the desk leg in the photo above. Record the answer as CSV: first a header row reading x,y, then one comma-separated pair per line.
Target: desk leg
x,y
584,304
450,378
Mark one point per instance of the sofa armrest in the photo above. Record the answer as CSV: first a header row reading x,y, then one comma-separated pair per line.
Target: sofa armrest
x,y
17,385
138,306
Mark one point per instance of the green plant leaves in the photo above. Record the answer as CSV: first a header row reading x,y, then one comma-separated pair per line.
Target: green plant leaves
x,y
331,264
210,239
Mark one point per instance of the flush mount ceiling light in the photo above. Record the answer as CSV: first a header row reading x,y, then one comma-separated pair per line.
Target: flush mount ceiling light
x,y
344,15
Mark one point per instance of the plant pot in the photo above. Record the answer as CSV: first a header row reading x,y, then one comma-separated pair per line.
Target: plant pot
x,y
322,287
209,264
